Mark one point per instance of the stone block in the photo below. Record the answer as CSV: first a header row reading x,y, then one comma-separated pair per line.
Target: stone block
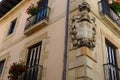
x,y
86,51
89,62
80,72
85,72
71,75
90,73
76,63
71,55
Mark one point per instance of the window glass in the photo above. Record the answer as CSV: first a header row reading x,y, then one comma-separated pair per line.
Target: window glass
x,y
111,66
12,26
1,65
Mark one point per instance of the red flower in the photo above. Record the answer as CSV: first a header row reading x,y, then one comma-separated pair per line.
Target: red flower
x,y
16,70
32,9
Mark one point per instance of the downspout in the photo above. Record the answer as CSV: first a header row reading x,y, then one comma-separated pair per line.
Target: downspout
x,y
66,42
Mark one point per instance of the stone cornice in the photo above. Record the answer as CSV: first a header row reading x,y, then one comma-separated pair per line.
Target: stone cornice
x,y
111,25
23,2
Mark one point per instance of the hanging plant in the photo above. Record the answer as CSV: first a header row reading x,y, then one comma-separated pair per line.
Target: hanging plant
x,y
32,10
16,70
115,6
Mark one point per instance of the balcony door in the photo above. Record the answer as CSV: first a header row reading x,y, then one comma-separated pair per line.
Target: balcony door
x,y
111,66
42,14
33,67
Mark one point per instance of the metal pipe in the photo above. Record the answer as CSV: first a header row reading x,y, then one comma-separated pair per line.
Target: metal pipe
x,y
66,41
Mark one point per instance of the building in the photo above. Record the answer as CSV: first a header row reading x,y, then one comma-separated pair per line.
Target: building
x,y
62,40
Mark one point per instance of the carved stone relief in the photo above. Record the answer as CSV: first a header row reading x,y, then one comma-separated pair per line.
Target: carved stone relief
x,y
83,28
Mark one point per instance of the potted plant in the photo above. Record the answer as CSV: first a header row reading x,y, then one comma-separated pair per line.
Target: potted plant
x,y
32,10
16,70
115,6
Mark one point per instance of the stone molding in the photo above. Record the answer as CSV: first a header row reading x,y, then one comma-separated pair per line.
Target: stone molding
x,y
83,28
81,64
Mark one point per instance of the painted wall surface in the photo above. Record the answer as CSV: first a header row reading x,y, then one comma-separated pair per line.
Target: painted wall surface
x,y
53,42
14,47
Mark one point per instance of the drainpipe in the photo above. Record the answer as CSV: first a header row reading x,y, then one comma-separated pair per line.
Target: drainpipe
x,y
66,42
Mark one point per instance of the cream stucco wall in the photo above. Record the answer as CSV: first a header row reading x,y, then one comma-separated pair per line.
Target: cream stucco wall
x,y
52,36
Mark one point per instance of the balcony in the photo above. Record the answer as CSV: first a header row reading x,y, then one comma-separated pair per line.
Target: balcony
x,y
105,9
32,73
111,72
37,21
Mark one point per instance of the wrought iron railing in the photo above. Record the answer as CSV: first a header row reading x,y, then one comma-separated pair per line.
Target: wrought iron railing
x,y
111,72
33,73
106,9
43,14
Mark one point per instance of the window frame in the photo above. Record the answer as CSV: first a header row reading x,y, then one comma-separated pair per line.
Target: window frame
x,y
3,63
111,45
4,57
24,53
33,59
111,69
112,38
12,27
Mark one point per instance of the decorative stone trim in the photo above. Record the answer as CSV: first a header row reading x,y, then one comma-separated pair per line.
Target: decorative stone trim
x,y
83,28
24,52
43,55
82,66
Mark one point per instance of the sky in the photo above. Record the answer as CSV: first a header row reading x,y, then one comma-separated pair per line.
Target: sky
x,y
0,0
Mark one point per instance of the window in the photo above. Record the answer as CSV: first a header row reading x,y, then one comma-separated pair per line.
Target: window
x,y
1,66
111,68
12,26
111,53
33,67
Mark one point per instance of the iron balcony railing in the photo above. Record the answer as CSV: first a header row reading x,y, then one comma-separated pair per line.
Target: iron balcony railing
x,y
32,73
43,14
111,72
106,9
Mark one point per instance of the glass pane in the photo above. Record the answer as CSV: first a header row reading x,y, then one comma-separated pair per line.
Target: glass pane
x,y
1,66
